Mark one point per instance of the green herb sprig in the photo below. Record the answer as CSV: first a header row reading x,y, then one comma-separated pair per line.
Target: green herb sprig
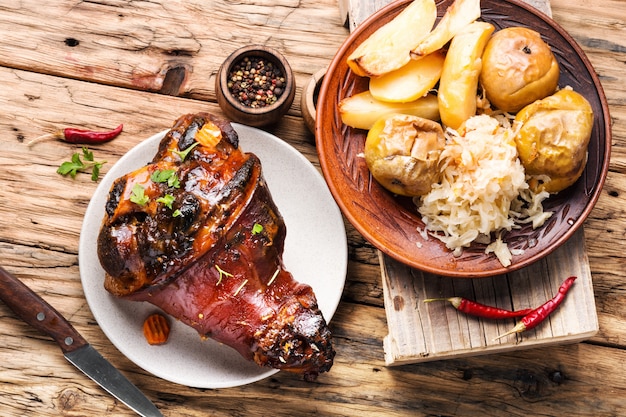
x,y
138,195
166,176
222,274
183,154
257,228
166,200
81,163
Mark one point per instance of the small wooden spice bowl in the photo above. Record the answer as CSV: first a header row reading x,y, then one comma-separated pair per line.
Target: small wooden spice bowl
x,y
244,96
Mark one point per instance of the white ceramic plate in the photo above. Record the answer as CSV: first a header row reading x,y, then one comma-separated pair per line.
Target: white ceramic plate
x,y
315,253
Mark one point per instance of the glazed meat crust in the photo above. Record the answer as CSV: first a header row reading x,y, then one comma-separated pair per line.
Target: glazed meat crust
x,y
212,258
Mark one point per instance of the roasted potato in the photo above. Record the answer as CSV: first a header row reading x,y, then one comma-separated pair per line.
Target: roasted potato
x,y
402,153
460,14
459,79
410,82
553,139
362,110
389,47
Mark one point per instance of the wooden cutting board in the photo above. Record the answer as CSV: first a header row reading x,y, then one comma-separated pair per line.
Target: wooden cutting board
x,y
420,332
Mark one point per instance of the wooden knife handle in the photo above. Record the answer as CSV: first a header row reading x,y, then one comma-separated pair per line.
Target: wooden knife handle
x,y
35,311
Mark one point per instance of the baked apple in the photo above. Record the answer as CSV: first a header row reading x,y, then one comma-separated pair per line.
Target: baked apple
x,y
553,139
402,153
518,68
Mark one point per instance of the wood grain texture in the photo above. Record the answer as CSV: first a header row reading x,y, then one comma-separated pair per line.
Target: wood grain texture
x,y
421,332
114,75
140,45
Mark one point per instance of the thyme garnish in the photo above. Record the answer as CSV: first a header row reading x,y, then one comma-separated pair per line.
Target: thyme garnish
x,y
222,273
273,277
240,287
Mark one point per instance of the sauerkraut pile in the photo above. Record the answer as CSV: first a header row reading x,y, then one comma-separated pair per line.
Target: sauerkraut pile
x,y
483,190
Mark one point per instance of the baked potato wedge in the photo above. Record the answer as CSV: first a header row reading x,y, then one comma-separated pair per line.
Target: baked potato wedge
x,y
362,110
410,82
389,47
459,79
460,14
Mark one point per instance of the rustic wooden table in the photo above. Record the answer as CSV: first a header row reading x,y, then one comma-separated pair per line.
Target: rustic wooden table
x,y
99,63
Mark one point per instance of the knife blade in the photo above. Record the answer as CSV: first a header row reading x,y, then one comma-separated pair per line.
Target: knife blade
x,y
34,310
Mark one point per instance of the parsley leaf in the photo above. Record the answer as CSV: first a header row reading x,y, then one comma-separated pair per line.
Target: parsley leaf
x,y
167,175
161,176
167,200
173,181
257,228
177,213
95,171
87,154
138,196
76,164
71,167
183,154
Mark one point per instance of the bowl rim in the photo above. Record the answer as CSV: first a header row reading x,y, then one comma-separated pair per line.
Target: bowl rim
x,y
258,51
380,244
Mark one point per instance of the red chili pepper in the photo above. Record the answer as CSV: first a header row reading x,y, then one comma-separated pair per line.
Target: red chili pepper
x,y
89,137
80,136
538,315
480,310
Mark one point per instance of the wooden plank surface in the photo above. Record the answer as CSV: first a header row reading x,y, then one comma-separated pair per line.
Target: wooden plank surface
x,y
47,84
353,12
423,332
419,332
172,47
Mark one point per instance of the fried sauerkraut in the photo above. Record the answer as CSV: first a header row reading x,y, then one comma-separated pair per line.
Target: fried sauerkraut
x,y
483,191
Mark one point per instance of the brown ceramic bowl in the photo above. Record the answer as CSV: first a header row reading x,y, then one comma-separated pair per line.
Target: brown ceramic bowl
x,y
234,109
308,100
390,223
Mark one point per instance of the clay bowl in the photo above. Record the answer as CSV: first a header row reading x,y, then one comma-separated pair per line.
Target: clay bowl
x,y
308,100
390,223
254,115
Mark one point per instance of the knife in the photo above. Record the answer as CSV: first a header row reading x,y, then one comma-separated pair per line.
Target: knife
x,y
31,308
